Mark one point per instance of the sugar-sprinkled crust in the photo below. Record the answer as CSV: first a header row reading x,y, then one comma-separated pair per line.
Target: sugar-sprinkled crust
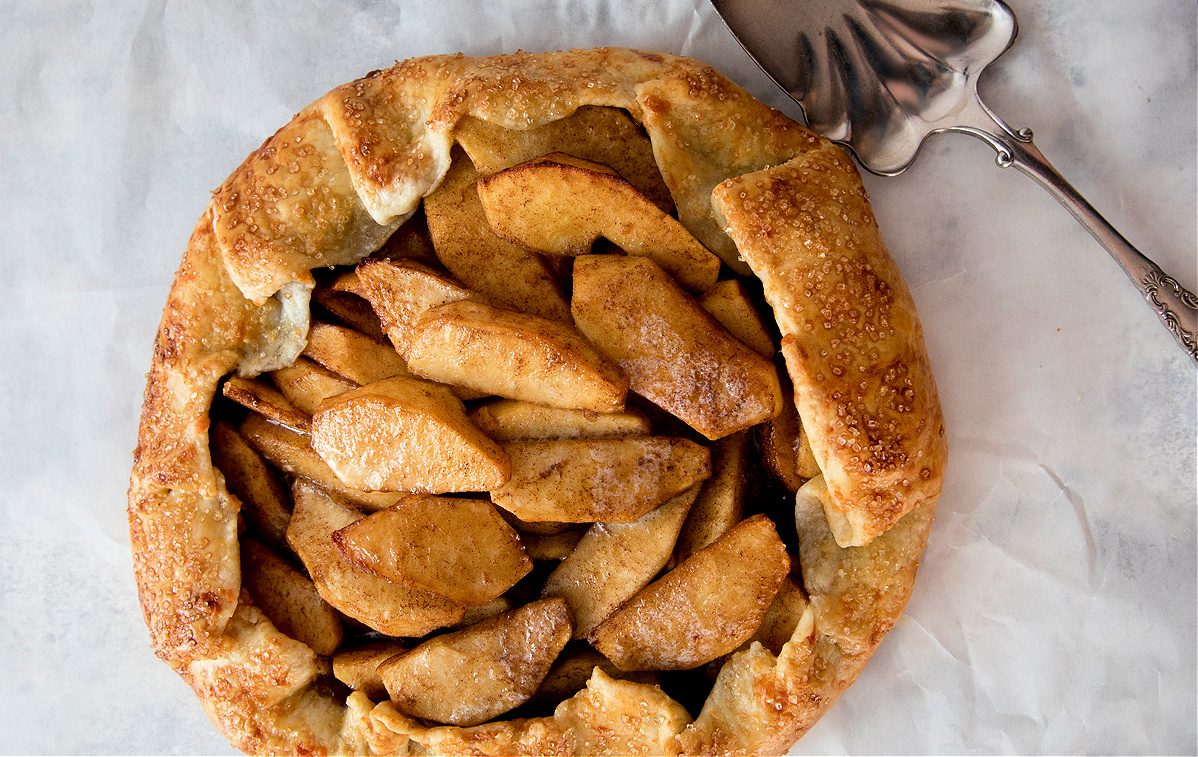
x,y
327,189
850,336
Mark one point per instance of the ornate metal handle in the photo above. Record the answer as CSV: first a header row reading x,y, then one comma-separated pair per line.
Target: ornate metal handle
x,y
1176,306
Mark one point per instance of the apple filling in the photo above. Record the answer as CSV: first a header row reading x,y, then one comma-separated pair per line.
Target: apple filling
x,y
541,433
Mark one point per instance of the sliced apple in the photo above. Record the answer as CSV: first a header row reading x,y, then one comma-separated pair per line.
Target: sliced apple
x,y
357,667
263,398
349,307
616,560
784,446
536,528
728,301
400,291
512,420
552,546
782,617
516,355
706,607
411,241
470,676
289,599
805,463
571,671
604,135
598,480
404,434
675,354
348,282
387,607
506,273
306,383
291,453
265,503
352,354
721,503
460,548
560,205
479,613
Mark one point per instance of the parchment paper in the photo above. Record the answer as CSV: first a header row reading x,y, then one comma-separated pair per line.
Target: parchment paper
x,y
1055,609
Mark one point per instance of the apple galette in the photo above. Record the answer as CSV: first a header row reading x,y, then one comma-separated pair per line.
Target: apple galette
x,y
549,404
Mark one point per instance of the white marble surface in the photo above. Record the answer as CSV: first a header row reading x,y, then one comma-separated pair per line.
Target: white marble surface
x,y
1055,611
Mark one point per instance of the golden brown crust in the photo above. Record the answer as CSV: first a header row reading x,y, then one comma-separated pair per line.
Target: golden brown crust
x,y
291,207
183,522
369,151
705,129
850,336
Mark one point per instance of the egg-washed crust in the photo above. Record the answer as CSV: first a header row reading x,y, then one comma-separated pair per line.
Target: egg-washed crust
x,y
851,339
327,189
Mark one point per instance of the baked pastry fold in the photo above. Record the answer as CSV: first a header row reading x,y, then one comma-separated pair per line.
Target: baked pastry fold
x,y
851,339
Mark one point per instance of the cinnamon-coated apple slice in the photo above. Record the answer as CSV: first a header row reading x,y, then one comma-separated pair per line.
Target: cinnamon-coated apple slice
x,y
675,353
598,480
705,608
389,608
404,434
560,205
516,355
457,547
470,676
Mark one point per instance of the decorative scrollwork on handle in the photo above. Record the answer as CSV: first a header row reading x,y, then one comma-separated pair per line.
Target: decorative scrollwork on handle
x,y
1175,306
1166,295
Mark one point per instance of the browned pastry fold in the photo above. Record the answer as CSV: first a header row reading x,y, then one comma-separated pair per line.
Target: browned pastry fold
x,y
850,336
329,188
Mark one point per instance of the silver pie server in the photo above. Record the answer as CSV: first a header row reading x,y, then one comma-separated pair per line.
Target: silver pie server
x,y
880,76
